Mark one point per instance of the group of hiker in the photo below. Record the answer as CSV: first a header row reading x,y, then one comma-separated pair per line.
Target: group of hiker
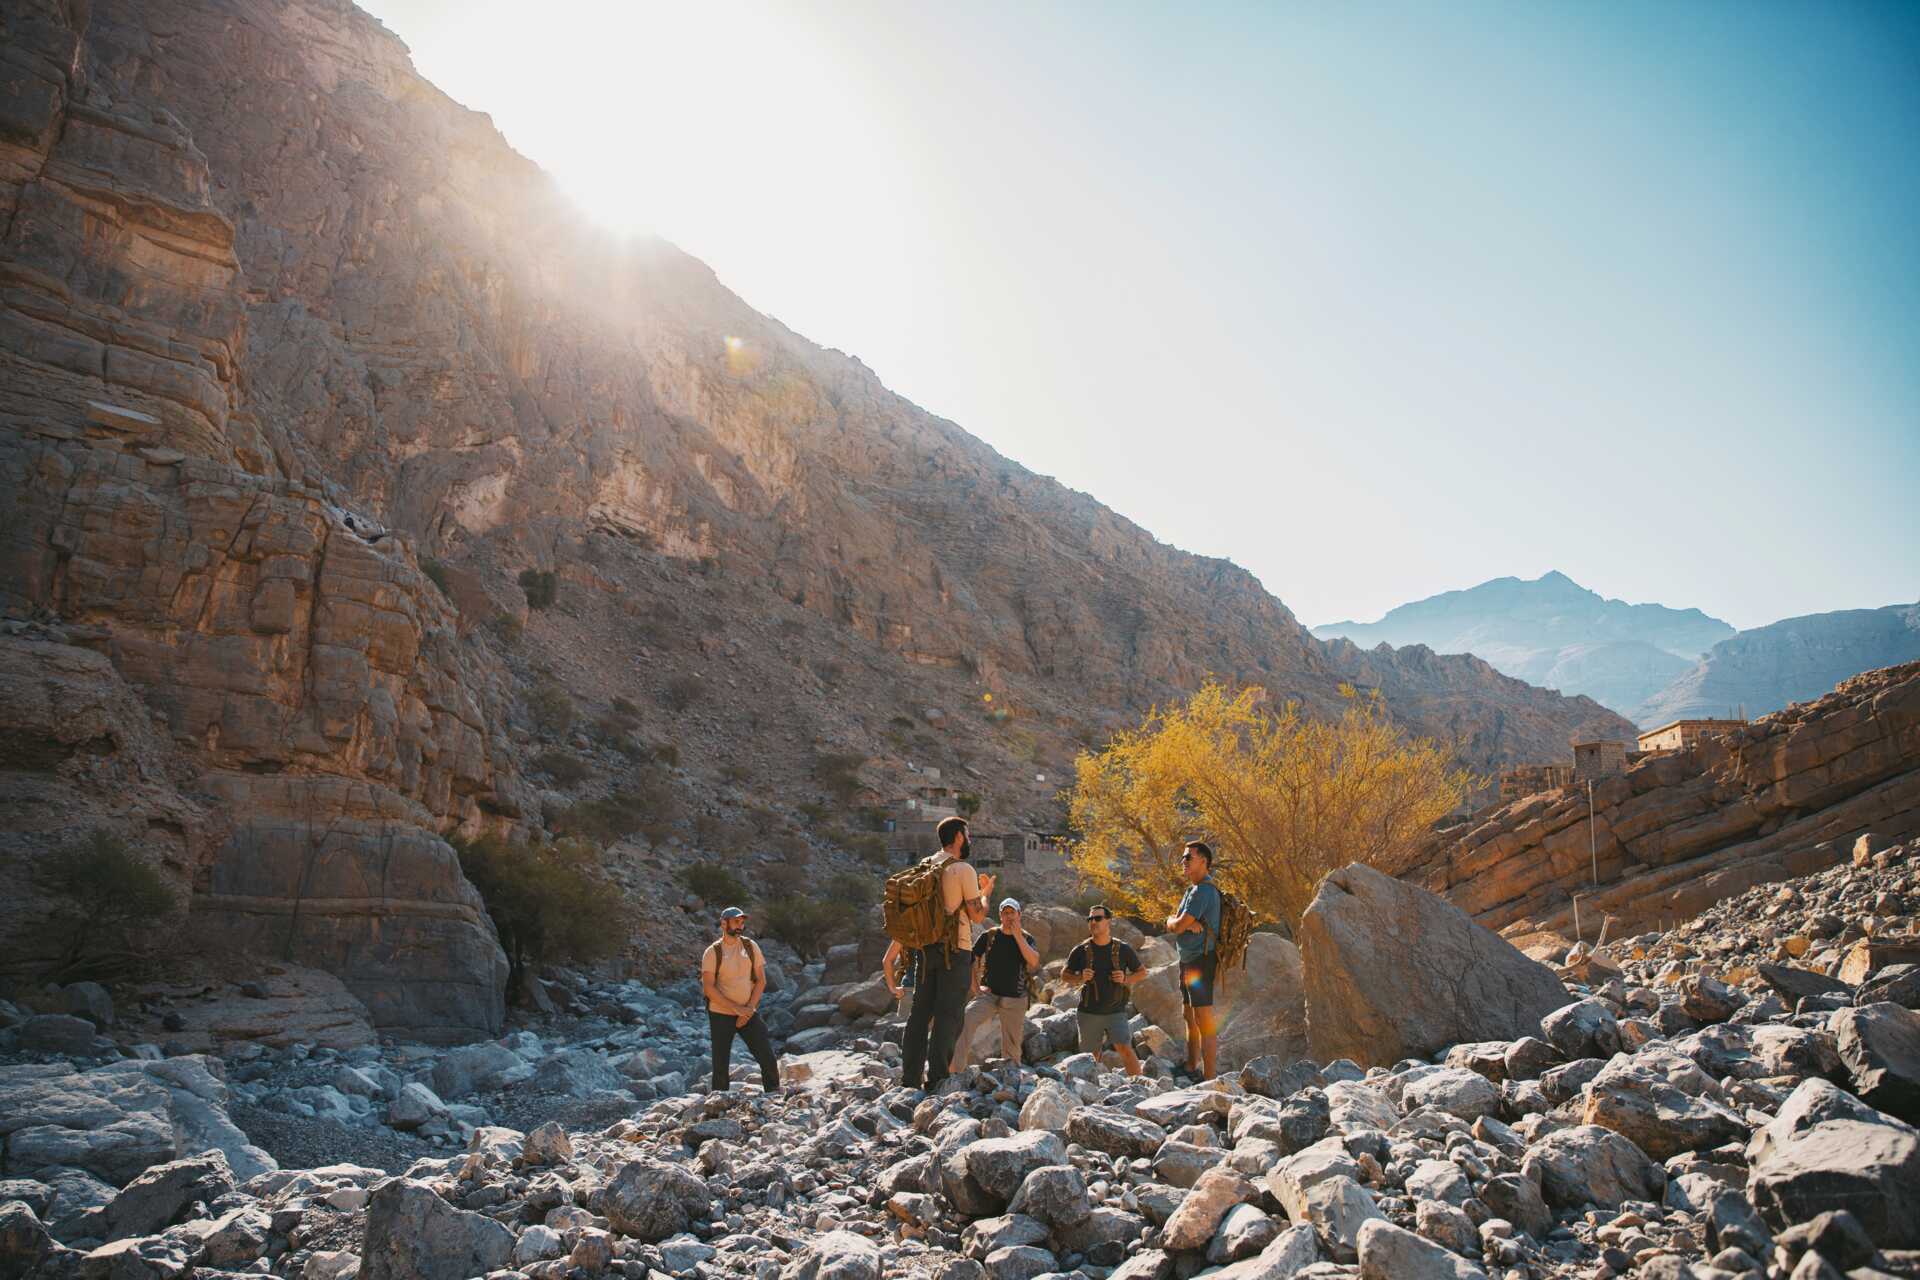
x,y
951,977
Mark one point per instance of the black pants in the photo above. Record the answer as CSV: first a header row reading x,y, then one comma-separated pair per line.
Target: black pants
x,y
939,1006
758,1043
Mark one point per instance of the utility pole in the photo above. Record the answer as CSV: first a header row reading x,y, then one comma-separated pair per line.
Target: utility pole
x,y
1592,856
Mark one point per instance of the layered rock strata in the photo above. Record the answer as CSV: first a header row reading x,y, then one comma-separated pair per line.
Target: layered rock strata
x,y
225,630
1786,796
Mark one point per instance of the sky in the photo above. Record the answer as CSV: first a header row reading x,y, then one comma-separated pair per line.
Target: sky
x,y
1374,299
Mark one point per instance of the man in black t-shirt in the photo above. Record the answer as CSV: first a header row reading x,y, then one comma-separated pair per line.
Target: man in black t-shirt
x,y
1104,968
1003,959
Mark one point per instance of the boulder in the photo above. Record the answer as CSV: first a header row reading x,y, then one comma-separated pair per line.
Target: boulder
x,y
1453,981
1587,1164
1199,1215
1896,984
412,1234
1809,1165
652,1200
89,1000
1657,1117
1456,1091
1337,1208
1020,1262
1048,1107
1000,1165
1053,1194
837,1255
1262,1008
1794,985
155,1199
1272,1076
1114,1131
1388,1252
1706,999
24,1241
1287,1255
1583,1029
478,1068
1244,1232
1880,1045
1517,1198
869,998
59,1033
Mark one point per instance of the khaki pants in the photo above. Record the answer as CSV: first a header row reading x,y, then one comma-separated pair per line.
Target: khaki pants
x,y
1012,1012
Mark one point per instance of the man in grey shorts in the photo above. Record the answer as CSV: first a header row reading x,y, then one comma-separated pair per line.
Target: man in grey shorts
x,y
1104,969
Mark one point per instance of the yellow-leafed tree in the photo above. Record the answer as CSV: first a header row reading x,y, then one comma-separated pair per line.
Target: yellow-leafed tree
x,y
1282,797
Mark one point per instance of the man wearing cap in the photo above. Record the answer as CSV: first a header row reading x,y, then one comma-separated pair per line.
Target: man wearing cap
x,y
1004,958
734,975
1105,968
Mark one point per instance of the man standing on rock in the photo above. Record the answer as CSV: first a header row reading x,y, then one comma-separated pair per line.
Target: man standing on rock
x,y
1004,958
1105,968
946,968
1196,924
734,975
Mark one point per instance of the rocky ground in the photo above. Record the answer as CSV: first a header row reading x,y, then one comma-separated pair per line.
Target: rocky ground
x,y
1733,1098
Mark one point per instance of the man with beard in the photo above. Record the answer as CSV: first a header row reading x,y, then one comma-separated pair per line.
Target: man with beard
x,y
734,975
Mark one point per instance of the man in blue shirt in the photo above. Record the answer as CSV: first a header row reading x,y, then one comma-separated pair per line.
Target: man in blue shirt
x,y
1195,924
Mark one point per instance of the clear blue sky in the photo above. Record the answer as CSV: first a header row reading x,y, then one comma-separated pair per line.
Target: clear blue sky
x,y
1377,300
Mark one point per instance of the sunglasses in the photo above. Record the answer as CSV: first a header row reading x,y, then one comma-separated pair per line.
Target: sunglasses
x,y
1097,919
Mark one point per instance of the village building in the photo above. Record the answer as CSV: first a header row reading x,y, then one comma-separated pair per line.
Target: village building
x,y
1593,761
1682,734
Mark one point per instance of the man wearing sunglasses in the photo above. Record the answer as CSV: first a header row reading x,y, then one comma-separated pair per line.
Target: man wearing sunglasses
x,y
1104,969
1195,924
733,973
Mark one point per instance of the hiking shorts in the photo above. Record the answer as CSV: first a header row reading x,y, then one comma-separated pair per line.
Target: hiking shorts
x,y
1097,1030
1196,981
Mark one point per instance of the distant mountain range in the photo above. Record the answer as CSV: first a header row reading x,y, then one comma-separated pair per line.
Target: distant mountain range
x,y
1648,662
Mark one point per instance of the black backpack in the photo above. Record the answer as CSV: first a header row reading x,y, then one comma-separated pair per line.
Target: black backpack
x,y
1113,966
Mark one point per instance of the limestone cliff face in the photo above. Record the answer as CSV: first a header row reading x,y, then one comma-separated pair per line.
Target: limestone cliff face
x,y
293,658
432,329
1783,797
277,317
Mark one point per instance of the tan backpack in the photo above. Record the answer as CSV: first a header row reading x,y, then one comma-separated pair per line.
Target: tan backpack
x,y
1236,926
916,910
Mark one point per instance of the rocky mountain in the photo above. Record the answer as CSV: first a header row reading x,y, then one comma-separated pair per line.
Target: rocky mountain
x,y
1555,633
360,494
1788,795
1795,660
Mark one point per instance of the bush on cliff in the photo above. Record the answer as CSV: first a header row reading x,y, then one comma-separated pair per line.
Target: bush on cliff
x,y
809,925
1282,797
106,898
549,902
540,587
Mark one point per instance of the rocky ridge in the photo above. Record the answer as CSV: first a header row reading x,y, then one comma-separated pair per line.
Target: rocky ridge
x,y
1784,796
1793,660
1670,1115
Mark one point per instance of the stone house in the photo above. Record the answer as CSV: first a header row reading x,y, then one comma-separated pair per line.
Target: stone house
x,y
1681,734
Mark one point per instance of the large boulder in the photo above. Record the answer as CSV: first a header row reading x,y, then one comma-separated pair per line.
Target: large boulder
x,y
1659,1118
652,1200
478,1068
1394,972
152,1201
1880,1045
1826,1150
1590,1165
1000,1165
412,1234
837,1255
1388,1252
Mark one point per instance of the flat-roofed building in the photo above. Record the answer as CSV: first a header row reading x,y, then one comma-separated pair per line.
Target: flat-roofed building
x,y
1593,761
1682,734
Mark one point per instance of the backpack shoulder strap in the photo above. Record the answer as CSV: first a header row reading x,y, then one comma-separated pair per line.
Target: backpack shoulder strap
x,y
713,949
757,965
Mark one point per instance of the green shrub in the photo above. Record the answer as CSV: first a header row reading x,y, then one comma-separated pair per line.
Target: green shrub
x,y
606,819
901,722
735,773
782,880
968,804
682,692
839,773
507,628
106,898
856,890
809,925
626,709
540,586
563,767
437,575
814,812
713,883
667,754
870,849
551,708
549,902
